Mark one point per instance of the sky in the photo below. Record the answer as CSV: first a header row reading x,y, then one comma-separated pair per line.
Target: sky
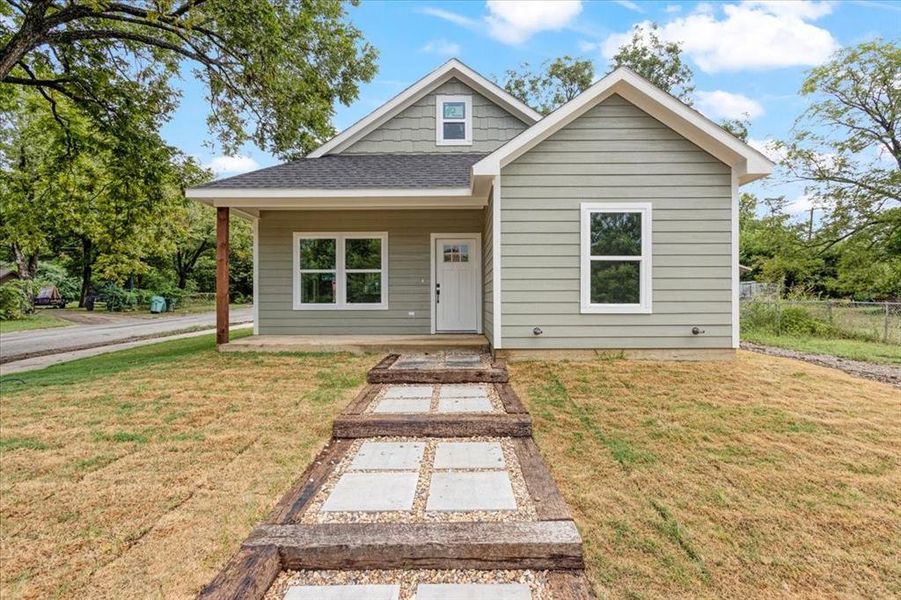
x,y
748,56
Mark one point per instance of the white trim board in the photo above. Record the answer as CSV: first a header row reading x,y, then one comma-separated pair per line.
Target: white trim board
x,y
452,69
477,239
224,193
698,129
496,272
646,282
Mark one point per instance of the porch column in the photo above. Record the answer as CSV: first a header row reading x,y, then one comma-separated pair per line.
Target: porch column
x,y
222,275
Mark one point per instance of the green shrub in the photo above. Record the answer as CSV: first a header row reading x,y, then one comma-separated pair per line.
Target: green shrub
x,y
118,299
14,300
796,320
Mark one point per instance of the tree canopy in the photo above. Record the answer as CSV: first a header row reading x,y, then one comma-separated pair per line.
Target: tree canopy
x,y
557,82
273,69
657,61
846,147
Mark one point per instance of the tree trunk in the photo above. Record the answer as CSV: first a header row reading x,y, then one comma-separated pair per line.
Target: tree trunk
x,y
30,34
87,268
26,265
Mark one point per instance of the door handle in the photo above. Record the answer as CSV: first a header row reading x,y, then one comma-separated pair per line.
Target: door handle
x,y
437,293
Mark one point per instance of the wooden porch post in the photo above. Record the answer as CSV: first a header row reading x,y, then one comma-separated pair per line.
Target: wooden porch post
x,y
222,275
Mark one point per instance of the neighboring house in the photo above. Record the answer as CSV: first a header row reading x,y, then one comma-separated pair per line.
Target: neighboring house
x,y
611,223
8,275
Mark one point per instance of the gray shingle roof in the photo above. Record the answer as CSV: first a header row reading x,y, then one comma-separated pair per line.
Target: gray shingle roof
x,y
360,171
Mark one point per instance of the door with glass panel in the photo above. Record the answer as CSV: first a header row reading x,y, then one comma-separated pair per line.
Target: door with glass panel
x,y
457,284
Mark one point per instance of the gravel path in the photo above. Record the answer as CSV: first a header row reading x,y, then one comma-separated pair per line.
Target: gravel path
x,y
884,373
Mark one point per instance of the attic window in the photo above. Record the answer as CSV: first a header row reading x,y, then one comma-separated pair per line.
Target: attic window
x,y
453,120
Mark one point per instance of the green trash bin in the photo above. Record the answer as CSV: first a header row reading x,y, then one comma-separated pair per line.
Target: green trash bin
x,y
157,304
170,304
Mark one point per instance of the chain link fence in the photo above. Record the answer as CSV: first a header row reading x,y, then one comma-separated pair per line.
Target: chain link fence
x,y
871,321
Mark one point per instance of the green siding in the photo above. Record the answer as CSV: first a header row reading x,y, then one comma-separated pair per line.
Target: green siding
x,y
408,269
413,129
616,152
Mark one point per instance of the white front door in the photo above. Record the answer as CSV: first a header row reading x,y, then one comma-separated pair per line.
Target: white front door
x,y
457,268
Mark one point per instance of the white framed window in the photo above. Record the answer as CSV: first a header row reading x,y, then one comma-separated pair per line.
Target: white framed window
x,y
340,271
453,120
616,257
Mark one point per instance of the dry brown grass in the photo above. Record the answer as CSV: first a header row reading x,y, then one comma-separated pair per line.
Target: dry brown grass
x,y
141,482
764,477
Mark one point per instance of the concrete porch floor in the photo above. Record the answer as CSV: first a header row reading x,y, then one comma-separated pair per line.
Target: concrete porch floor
x,y
359,344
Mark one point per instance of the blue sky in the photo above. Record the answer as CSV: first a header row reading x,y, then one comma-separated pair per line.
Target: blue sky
x,y
747,56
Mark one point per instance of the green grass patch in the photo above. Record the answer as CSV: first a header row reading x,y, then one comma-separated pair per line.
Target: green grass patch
x,y
121,437
39,320
21,443
874,352
552,396
112,363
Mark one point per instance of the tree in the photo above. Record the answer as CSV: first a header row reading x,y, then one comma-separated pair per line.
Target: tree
x,y
738,127
273,68
556,83
846,147
108,198
657,61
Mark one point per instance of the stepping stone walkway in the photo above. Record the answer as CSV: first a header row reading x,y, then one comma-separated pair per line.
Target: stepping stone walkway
x,y
431,489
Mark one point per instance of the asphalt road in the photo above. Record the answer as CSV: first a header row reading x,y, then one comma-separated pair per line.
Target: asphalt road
x,y
55,340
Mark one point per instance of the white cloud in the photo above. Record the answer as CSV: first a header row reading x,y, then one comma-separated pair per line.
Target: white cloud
x,y
515,21
768,148
801,9
726,105
672,9
442,47
754,35
630,5
231,165
450,16
801,204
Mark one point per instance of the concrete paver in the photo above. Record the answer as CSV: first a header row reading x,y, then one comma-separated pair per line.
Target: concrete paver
x,y
469,455
343,592
388,456
468,491
372,492
408,391
464,405
473,591
463,390
403,405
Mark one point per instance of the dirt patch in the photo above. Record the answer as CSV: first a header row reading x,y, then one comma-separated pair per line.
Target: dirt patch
x,y
883,373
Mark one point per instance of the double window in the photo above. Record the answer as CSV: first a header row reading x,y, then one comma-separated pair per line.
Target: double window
x,y
340,271
453,120
616,257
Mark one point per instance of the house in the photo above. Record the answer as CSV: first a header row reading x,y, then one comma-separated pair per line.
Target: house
x,y
454,208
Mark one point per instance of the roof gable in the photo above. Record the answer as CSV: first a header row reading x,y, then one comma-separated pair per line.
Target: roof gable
x,y
452,69
684,120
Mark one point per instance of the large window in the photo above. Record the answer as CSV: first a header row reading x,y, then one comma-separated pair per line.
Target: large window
x,y
453,120
616,257
340,271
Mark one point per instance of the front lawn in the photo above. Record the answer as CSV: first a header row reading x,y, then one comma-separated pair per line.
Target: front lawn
x,y
874,352
764,477
140,472
38,320
143,470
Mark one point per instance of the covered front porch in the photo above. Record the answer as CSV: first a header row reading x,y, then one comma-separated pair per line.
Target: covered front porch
x,y
359,344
